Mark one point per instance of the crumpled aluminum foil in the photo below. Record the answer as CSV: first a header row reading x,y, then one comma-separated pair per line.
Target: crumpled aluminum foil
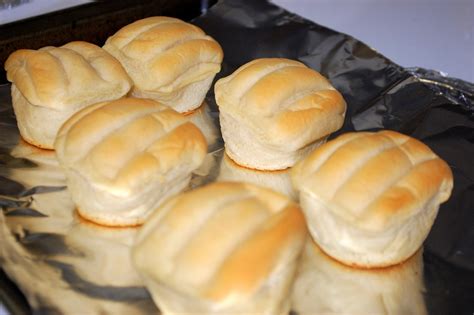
x,y
64,264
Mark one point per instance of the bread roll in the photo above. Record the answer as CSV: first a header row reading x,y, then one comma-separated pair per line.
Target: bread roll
x,y
277,180
52,83
169,60
325,286
123,158
225,248
274,111
370,199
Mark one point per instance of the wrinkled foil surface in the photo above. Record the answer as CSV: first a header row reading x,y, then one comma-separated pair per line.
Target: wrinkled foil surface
x,y
64,264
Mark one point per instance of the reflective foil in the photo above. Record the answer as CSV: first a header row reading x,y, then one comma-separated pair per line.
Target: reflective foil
x,y
64,264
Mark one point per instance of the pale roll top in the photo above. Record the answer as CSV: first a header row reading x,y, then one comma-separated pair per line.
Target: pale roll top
x,y
221,241
163,53
69,76
284,97
125,144
374,180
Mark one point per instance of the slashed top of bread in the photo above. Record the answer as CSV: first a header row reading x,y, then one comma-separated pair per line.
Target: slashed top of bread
x,y
127,143
221,241
291,104
375,179
164,54
73,75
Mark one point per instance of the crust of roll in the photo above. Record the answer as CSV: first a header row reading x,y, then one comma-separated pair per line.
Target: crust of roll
x,y
370,199
123,158
50,84
169,60
233,248
274,111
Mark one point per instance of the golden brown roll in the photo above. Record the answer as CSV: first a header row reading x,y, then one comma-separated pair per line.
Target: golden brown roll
x,y
52,83
225,248
325,286
370,199
275,111
123,158
169,60
277,180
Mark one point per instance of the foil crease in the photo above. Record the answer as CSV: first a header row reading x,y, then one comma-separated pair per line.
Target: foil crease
x,y
64,264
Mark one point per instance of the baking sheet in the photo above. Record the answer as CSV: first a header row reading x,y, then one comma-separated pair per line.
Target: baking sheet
x,y
49,252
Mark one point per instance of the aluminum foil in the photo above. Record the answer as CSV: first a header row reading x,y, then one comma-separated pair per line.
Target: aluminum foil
x,y
64,264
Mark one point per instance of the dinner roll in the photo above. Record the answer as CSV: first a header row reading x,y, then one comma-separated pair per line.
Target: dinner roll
x,y
52,83
325,286
274,111
123,158
370,199
277,180
224,248
169,60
